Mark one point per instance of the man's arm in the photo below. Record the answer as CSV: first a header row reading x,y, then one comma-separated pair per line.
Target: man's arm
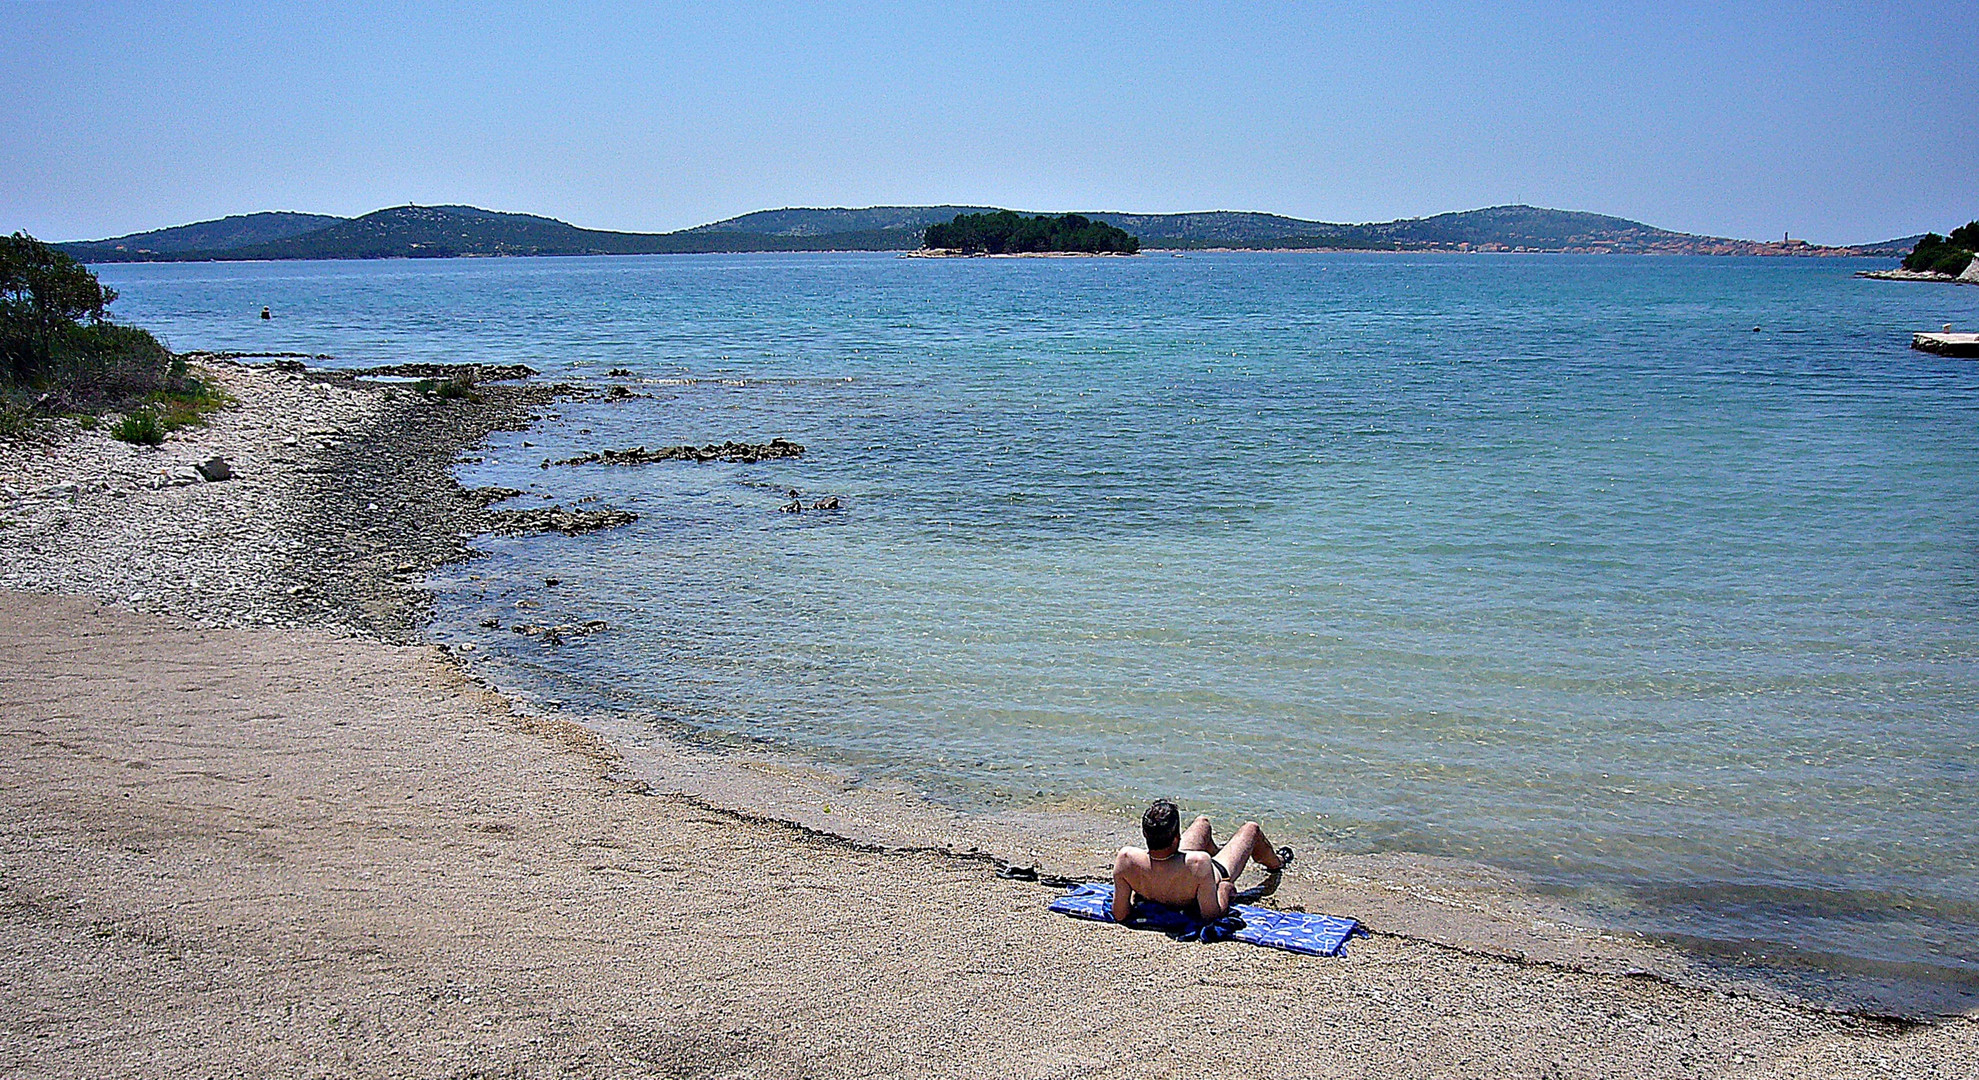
x,y
1123,893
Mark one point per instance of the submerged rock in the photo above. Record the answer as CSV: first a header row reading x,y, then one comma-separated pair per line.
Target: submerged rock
x,y
556,519
746,453
469,372
489,496
555,635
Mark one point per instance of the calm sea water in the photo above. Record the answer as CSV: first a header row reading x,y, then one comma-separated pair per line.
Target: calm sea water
x,y
1653,579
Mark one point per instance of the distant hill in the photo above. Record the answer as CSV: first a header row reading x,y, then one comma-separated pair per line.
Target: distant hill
x,y
1495,228
241,230
1513,228
452,231
908,221
457,231
1216,228
441,232
1901,246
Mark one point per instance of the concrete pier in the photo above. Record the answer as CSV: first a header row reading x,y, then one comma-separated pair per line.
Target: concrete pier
x,y
1947,344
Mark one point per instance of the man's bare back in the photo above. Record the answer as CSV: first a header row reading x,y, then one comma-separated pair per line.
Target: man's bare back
x,y
1187,869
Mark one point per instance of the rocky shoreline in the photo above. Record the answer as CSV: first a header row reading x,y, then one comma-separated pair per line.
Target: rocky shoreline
x,y
1970,277
339,496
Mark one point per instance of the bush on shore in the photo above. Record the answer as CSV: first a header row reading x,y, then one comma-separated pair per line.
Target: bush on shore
x,y
60,355
1945,254
454,389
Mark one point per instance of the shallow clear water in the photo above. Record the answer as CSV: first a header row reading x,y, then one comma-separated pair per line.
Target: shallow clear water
x,y
1655,579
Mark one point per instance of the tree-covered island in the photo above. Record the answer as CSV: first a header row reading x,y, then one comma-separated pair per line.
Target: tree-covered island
x,y
1009,233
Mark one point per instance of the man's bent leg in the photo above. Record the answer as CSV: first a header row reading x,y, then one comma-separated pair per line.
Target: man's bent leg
x,y
1197,837
1249,843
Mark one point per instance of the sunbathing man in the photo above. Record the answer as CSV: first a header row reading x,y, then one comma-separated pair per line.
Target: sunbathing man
x,y
1186,869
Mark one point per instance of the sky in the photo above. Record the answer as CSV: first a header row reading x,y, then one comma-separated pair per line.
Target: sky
x,y
1839,123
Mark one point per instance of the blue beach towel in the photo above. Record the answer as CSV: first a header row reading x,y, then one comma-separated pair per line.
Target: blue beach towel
x,y
1293,931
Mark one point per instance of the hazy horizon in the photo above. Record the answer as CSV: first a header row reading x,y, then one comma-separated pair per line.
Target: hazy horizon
x,y
1837,124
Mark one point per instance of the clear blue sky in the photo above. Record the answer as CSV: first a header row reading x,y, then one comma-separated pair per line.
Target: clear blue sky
x,y
1841,122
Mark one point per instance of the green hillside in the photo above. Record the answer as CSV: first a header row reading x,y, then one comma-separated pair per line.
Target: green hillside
x,y
1215,228
241,230
804,221
455,231
1506,226
441,232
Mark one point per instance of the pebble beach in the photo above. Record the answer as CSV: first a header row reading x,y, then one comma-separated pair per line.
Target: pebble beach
x,y
254,822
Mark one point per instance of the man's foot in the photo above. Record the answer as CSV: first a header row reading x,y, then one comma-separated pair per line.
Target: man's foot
x,y
1285,858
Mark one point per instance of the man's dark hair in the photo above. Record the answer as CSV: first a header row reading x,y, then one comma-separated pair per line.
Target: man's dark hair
x,y
1161,825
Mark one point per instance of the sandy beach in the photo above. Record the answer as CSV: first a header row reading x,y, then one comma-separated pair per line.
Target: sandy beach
x,y
254,825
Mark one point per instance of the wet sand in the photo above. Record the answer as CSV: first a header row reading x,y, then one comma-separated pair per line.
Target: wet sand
x,y
303,850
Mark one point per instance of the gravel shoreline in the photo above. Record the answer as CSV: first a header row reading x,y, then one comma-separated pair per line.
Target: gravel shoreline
x,y
341,497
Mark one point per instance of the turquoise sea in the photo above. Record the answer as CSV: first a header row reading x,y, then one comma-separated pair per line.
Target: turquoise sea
x,y
1652,579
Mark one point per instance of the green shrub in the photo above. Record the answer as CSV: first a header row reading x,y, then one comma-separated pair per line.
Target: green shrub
x,y
140,428
447,389
17,422
104,362
1951,261
188,403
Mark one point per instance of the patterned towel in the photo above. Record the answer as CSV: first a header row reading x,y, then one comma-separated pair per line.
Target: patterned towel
x,y
1293,931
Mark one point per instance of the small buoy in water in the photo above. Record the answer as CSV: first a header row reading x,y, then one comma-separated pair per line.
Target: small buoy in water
x,y
1755,329
266,314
